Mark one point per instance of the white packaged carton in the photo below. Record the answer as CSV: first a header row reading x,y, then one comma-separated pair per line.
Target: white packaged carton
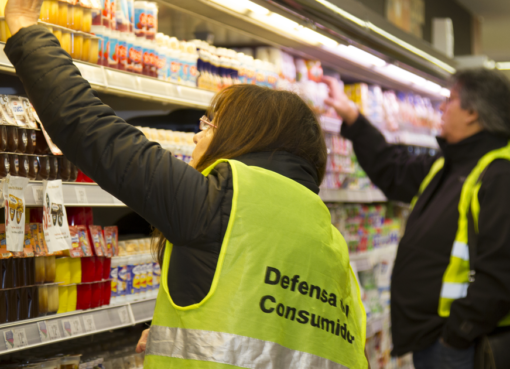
x,y
14,201
56,228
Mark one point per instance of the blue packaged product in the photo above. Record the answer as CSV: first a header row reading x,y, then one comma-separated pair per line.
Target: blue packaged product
x,y
156,275
124,278
114,274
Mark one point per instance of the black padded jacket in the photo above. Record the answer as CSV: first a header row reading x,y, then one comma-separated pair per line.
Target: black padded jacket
x,y
192,211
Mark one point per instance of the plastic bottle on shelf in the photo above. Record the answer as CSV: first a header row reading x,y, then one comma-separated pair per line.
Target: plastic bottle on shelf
x,y
122,46
98,31
113,60
131,14
140,20
107,34
192,60
97,13
114,274
249,64
151,25
123,278
149,276
175,54
105,13
122,16
113,10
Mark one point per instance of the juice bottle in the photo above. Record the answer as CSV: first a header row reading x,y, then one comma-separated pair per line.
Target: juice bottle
x,y
52,299
114,274
75,17
131,14
66,41
146,58
86,20
49,11
76,45
99,32
50,269
151,25
84,296
122,16
64,14
113,61
122,46
140,18
148,273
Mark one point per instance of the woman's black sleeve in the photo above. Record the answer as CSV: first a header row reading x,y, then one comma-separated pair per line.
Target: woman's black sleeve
x,y
165,191
394,170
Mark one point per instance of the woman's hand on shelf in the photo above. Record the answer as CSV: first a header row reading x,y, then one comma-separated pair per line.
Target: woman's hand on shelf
x,y
22,13
339,101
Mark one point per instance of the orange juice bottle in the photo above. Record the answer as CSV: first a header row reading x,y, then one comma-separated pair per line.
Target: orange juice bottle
x,y
63,14
76,17
76,45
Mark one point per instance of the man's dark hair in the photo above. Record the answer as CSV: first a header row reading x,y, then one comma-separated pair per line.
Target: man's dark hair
x,y
488,93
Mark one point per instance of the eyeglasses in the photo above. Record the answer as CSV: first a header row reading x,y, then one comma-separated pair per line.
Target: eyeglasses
x,y
205,124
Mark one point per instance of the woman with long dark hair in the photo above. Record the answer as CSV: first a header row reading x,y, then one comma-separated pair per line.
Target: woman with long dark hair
x,y
253,273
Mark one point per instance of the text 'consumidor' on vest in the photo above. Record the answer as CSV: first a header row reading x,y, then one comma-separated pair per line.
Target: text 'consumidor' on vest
x,y
269,304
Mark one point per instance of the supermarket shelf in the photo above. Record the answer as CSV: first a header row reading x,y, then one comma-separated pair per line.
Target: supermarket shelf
x,y
363,196
132,85
330,124
376,324
51,329
75,194
367,260
411,139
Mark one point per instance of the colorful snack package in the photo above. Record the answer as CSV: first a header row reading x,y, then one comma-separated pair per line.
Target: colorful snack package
x,y
111,235
76,251
4,253
97,240
84,241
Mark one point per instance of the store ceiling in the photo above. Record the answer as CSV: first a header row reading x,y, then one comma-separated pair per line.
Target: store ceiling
x,y
495,18
487,7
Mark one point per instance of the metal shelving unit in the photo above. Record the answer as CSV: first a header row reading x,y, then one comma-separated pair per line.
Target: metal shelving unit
x,y
32,333
132,85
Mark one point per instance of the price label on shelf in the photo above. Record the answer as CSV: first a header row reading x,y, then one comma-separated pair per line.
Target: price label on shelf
x,y
81,195
49,330
38,194
71,326
89,323
15,338
124,315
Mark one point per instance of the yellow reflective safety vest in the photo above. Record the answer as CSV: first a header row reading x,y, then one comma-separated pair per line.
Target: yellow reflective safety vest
x,y
457,275
283,294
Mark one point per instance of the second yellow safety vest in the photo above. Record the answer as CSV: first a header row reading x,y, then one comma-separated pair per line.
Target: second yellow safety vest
x,y
283,295
457,275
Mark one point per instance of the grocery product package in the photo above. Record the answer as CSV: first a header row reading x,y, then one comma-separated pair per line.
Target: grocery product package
x,y
56,228
14,197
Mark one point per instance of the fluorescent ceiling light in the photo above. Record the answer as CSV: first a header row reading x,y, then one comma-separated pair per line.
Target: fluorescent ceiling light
x,y
311,35
343,13
235,5
359,56
389,36
256,8
445,92
350,52
503,65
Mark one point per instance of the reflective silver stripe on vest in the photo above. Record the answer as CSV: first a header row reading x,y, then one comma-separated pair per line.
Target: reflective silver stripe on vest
x,y
460,250
454,290
226,348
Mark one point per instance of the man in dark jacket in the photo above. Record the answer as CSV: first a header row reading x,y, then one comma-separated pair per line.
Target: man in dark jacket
x,y
476,120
